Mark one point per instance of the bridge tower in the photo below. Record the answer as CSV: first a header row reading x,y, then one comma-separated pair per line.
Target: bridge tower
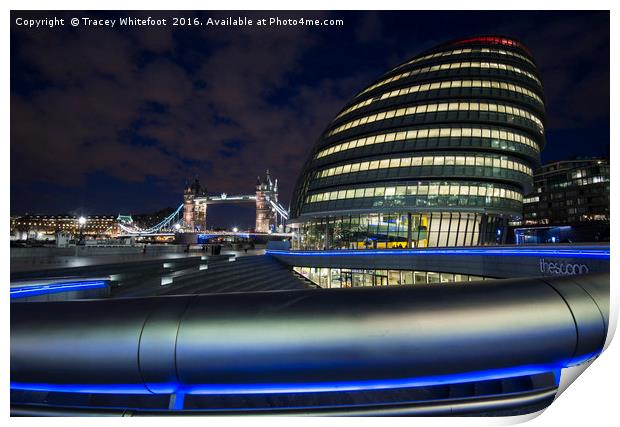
x,y
265,190
195,206
188,207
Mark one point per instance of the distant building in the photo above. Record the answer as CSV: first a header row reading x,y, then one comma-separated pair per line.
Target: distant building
x,y
569,203
45,226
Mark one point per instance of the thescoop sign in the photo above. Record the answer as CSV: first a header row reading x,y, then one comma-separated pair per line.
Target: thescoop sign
x,y
562,268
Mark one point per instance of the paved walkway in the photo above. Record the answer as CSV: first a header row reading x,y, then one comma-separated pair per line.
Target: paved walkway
x,y
45,263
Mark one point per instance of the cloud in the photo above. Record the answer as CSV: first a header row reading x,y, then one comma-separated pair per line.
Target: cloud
x,y
226,104
369,28
104,108
565,48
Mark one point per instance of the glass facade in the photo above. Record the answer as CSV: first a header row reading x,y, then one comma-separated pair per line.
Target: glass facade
x,y
400,230
439,151
354,278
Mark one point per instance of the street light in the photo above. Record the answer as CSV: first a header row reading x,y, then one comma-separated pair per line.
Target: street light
x,y
81,223
235,229
177,226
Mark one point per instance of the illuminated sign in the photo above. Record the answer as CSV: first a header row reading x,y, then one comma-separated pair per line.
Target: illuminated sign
x,y
562,268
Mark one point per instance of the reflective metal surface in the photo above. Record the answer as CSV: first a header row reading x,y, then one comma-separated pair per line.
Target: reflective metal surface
x,y
316,339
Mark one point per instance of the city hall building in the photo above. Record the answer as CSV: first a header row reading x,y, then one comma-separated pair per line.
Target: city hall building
x,y
439,151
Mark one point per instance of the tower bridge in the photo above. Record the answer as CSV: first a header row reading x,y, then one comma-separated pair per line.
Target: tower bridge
x,y
268,211
191,215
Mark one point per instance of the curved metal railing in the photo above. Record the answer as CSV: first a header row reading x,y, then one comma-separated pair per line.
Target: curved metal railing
x,y
317,340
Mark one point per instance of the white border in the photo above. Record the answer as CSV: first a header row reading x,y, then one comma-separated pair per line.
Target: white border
x,y
590,401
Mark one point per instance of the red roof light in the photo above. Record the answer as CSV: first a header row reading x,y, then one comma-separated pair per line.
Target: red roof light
x,y
494,40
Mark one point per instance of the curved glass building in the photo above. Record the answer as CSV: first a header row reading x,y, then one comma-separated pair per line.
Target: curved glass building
x,y
439,151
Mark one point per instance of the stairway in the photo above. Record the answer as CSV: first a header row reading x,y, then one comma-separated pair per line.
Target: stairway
x,y
243,274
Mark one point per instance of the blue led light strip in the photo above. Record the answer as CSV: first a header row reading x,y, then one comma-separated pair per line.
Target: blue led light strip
x,y
557,253
385,384
51,288
367,385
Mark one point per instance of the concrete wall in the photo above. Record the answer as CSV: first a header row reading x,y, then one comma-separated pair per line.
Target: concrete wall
x,y
94,250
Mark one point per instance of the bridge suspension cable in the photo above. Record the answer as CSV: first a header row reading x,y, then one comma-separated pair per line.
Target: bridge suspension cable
x,y
165,223
279,208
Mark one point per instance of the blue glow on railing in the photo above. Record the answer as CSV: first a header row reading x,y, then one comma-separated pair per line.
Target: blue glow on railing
x,y
310,387
91,388
557,253
52,288
368,385
578,360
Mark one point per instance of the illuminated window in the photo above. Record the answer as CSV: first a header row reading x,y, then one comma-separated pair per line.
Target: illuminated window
x,y
471,106
453,66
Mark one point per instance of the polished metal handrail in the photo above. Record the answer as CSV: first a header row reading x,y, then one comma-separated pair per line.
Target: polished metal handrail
x,y
310,340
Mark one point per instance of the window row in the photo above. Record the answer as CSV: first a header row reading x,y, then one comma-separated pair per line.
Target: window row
x,y
440,107
462,132
421,189
449,84
453,66
466,51
573,182
590,171
328,278
406,162
419,203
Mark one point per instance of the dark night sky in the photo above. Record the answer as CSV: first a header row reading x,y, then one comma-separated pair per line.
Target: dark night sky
x,y
114,120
